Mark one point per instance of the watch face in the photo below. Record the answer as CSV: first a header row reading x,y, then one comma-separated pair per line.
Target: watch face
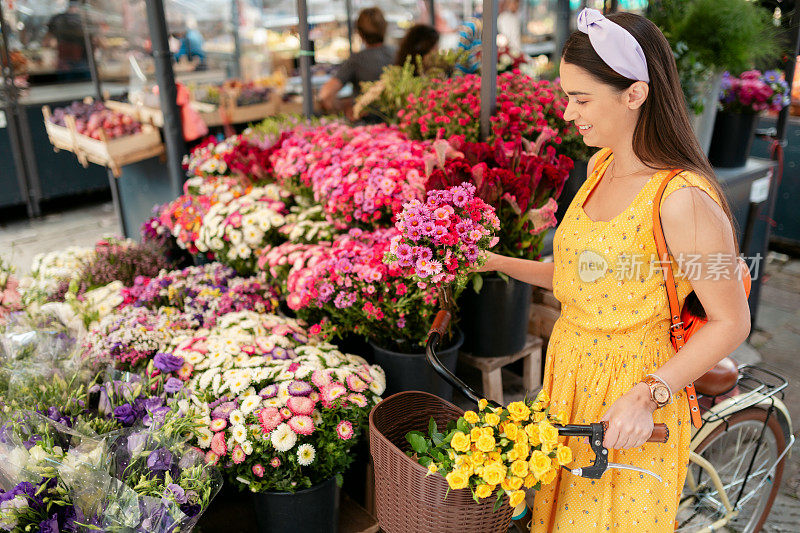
x,y
661,394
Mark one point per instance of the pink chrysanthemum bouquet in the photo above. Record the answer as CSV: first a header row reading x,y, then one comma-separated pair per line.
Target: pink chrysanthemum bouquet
x,y
441,240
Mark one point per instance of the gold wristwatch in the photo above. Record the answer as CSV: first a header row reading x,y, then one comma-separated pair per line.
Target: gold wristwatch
x,y
659,392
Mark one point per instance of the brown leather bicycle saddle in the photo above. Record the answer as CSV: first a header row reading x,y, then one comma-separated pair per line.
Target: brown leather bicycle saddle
x,y
719,380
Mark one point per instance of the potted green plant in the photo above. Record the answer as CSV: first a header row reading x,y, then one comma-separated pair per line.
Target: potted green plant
x,y
709,37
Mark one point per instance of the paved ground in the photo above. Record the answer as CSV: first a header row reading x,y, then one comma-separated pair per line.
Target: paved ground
x,y
775,341
21,240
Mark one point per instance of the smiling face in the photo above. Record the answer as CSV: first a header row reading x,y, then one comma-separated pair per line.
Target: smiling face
x,y
604,115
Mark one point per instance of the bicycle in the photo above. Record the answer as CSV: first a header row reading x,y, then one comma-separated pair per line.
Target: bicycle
x,y
744,417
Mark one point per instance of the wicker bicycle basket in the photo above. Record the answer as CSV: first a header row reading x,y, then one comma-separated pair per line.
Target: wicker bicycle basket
x,y
406,498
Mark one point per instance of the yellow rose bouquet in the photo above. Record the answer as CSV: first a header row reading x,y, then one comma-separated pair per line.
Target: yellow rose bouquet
x,y
496,450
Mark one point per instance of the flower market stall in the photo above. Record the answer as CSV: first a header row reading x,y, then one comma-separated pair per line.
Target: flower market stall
x,y
209,351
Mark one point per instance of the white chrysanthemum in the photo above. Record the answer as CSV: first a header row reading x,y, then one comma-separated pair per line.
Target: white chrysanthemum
x,y
193,358
215,383
239,433
216,358
250,403
236,417
376,387
234,235
283,438
306,454
274,402
283,390
204,438
205,378
247,447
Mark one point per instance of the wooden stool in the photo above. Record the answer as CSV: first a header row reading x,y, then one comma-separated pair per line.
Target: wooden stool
x,y
491,368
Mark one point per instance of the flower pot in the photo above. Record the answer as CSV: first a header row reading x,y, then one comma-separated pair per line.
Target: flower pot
x,y
407,372
733,138
307,511
703,124
576,178
495,320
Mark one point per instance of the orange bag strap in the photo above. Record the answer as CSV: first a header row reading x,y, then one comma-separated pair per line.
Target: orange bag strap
x,y
676,330
602,158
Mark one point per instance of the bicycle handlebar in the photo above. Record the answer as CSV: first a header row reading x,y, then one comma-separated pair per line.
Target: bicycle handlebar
x,y
442,321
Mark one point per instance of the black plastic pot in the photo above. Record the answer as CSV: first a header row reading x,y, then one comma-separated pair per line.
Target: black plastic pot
x,y
576,178
314,510
495,320
406,371
732,140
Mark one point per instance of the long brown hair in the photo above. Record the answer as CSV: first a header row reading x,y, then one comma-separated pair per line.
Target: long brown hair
x,y
663,137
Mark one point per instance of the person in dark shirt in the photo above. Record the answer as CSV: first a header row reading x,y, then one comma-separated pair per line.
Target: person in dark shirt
x,y
366,65
65,33
420,40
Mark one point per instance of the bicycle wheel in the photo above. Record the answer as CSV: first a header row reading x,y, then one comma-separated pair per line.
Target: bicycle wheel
x,y
730,452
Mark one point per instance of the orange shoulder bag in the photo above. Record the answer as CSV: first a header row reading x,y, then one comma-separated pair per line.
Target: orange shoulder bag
x,y
685,321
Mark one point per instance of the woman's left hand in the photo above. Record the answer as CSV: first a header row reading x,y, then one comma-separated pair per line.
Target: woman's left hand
x,y
630,419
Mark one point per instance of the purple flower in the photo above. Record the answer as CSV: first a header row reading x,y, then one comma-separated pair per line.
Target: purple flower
x,y
50,525
156,416
159,460
173,385
269,391
325,292
168,362
125,414
404,251
224,410
190,509
177,492
299,388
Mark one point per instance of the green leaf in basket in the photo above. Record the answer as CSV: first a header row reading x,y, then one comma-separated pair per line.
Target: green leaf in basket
x,y
425,461
449,436
463,425
437,438
418,442
499,500
432,426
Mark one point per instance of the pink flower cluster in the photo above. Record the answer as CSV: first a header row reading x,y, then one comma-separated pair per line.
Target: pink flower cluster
x,y
360,175
440,240
753,92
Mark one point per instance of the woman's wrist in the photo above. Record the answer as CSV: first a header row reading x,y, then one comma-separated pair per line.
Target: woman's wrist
x,y
642,393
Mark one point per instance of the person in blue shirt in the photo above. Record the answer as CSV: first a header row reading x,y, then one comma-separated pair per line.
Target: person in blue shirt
x,y
191,47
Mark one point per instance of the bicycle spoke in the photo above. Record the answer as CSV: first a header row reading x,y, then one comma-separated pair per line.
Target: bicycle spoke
x,y
731,454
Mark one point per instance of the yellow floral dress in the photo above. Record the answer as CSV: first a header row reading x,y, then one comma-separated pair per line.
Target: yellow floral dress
x,y
613,330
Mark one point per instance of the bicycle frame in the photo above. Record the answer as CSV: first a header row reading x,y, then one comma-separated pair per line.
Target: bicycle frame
x,y
763,395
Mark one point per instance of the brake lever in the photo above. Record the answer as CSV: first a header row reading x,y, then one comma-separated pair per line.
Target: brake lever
x,y
598,467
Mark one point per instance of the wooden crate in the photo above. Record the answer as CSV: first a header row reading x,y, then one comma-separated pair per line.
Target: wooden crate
x,y
153,115
250,113
111,153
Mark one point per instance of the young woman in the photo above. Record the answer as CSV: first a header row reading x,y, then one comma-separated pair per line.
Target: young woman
x,y
610,356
